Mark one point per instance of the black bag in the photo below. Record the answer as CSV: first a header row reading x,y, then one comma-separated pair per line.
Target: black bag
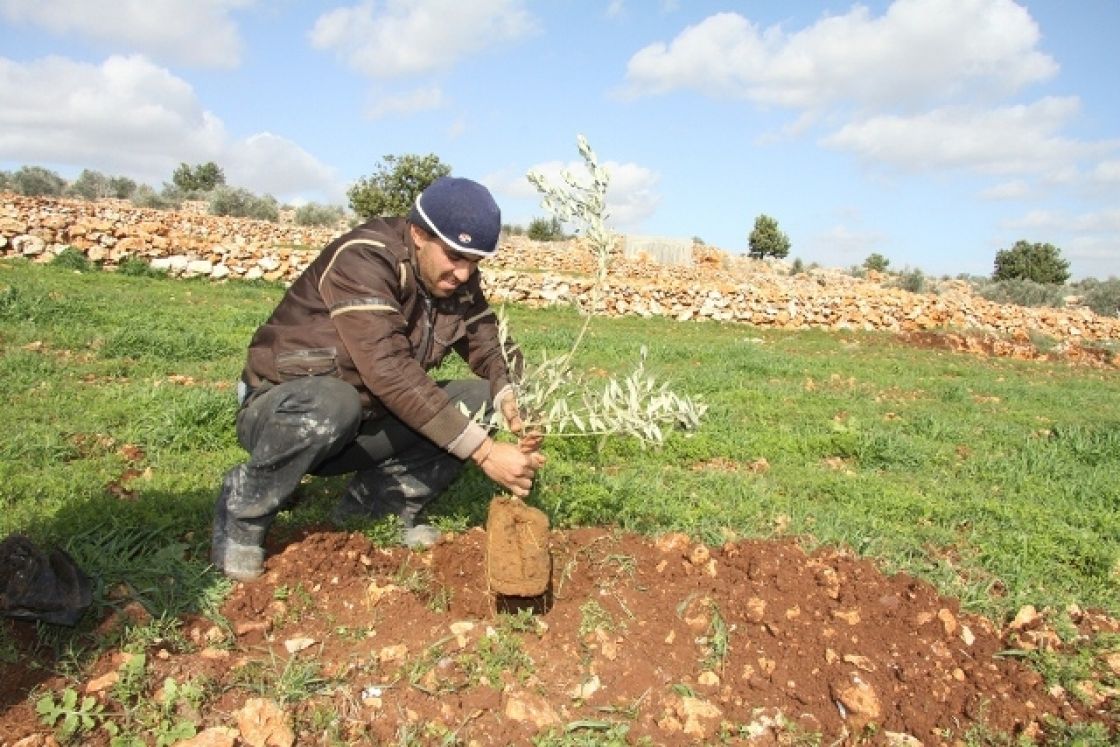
x,y
36,585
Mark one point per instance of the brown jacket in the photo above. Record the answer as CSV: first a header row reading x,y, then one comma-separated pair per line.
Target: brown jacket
x,y
359,312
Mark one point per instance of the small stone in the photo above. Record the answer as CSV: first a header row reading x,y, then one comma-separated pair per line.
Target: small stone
x,y
461,630
672,542
102,683
699,716
699,555
526,706
263,723
860,702
756,609
585,690
708,679
295,645
392,653
1027,616
948,621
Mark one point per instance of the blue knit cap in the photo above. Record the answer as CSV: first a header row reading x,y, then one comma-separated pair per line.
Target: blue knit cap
x,y
460,212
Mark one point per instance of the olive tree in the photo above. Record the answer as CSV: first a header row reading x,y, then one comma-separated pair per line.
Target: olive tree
x,y
393,188
90,185
1041,263
36,181
202,177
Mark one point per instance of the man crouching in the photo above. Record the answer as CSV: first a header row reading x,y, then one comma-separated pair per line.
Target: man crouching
x,y
336,380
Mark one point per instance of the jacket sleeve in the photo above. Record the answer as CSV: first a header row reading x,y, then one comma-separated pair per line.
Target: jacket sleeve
x,y
361,288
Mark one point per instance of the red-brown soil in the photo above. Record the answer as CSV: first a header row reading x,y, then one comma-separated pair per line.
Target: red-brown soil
x,y
754,642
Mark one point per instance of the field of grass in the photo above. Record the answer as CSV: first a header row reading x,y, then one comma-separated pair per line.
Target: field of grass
x,y
993,478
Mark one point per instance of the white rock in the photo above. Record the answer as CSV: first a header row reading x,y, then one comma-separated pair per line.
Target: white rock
x,y
28,245
199,267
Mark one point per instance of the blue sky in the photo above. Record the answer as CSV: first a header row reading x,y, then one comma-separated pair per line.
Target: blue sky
x,y
933,132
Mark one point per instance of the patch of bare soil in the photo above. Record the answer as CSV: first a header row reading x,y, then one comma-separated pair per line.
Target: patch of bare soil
x,y
1020,347
754,642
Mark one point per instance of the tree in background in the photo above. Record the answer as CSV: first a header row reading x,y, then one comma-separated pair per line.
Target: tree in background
x,y
121,187
545,229
314,214
876,262
242,203
202,177
1041,263
35,181
393,188
90,185
766,240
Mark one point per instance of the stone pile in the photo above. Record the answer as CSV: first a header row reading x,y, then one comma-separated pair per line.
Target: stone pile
x,y
715,287
188,241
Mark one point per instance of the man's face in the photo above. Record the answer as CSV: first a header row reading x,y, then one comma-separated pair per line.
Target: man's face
x,y
442,269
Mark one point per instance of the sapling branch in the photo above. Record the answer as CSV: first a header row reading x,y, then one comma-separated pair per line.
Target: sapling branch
x,y
555,399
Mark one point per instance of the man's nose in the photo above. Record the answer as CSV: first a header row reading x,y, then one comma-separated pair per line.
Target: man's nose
x,y
462,271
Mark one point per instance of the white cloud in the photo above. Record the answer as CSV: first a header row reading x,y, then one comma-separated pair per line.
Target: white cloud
x,y
1106,173
1021,139
411,37
268,163
193,32
631,194
919,52
842,245
419,100
130,117
126,115
1015,189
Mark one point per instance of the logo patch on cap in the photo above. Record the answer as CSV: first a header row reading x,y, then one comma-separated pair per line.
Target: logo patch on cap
x,y
464,238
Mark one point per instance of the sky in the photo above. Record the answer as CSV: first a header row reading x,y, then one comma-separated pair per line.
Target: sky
x,y
932,132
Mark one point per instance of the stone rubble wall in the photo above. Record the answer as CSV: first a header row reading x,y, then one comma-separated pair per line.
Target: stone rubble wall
x,y
716,286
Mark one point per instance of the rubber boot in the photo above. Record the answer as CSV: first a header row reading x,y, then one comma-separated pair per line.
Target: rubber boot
x,y
400,487
236,546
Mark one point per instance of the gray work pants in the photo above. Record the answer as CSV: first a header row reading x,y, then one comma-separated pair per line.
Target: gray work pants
x,y
314,425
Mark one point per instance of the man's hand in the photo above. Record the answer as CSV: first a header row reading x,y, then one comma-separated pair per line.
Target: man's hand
x,y
508,465
511,413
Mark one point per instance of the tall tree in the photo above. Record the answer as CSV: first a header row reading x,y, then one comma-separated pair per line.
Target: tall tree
x,y
767,240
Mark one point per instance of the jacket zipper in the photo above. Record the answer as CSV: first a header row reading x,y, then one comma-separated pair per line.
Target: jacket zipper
x,y
429,331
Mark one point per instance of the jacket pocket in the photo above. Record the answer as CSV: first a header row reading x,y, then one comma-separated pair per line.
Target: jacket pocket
x,y
294,364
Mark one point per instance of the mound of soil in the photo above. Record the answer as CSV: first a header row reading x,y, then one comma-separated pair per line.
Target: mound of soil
x,y
753,642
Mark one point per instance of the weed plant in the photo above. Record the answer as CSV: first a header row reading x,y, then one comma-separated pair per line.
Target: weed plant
x,y
992,478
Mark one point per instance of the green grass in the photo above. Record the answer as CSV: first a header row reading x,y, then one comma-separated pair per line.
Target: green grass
x,y
992,478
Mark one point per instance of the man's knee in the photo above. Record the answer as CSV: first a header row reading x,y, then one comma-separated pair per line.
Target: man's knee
x,y
319,410
474,394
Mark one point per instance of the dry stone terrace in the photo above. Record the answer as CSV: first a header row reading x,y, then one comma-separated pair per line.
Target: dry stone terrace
x,y
716,286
